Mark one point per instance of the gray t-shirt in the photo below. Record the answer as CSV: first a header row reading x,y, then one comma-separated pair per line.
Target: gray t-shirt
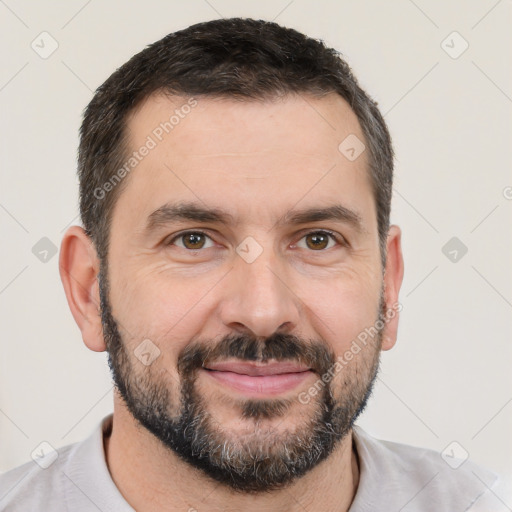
x,y
393,477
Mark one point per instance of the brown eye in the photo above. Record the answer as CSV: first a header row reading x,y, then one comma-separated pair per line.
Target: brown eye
x,y
318,241
192,240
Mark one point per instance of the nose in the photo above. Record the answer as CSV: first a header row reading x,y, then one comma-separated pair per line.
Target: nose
x,y
258,299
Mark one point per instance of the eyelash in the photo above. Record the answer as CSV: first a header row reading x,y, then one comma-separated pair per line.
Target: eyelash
x,y
334,236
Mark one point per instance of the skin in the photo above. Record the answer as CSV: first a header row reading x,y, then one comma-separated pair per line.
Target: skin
x,y
258,161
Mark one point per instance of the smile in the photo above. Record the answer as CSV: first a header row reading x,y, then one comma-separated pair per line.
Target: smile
x,y
258,379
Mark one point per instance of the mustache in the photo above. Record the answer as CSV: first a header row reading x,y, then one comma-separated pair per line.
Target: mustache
x,y
315,354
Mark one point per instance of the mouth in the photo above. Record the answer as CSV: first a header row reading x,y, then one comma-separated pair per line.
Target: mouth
x,y
257,379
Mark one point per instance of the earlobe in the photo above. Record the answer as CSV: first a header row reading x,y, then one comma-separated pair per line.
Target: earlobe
x,y
79,267
393,277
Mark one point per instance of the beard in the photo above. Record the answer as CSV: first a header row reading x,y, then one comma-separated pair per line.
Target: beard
x,y
264,458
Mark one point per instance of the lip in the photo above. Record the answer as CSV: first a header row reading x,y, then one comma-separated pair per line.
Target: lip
x,y
258,379
257,369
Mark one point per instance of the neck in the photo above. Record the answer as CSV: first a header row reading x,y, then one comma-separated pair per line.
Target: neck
x,y
151,477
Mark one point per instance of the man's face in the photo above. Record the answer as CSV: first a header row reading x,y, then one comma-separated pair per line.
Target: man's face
x,y
244,237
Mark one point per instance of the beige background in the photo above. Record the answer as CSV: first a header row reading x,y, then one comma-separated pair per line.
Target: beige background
x,y
448,378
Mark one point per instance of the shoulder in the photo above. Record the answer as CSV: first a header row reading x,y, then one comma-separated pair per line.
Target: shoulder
x,y
43,480
416,479
74,477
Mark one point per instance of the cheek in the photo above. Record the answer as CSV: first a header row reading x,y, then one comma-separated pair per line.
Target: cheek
x,y
339,313
169,312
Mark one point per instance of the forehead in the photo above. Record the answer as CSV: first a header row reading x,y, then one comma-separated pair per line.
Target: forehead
x,y
256,157
294,122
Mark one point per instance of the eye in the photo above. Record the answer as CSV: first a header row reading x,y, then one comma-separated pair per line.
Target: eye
x,y
192,240
318,240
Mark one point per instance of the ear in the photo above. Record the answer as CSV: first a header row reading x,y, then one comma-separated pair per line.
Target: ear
x,y
393,275
79,268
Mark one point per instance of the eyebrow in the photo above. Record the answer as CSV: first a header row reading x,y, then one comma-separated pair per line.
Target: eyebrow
x,y
172,212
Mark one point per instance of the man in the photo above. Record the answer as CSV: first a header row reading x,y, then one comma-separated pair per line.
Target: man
x,y
238,265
